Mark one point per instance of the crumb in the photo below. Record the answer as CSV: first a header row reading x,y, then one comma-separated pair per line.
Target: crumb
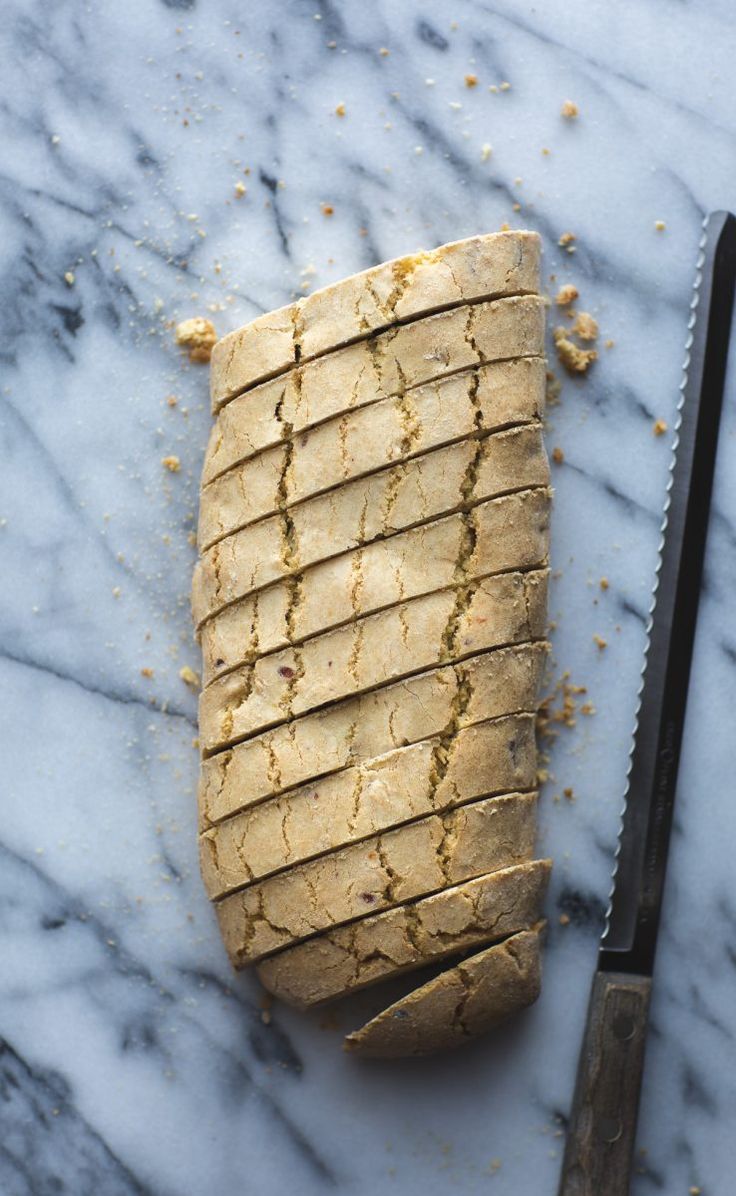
x,y
173,464
517,207
493,88
566,239
557,455
327,209
485,151
69,278
660,227
504,86
546,152
340,110
599,641
568,793
198,336
587,709
146,672
471,80
569,110
564,919
574,359
608,344
558,707
171,400
384,52
659,427
195,743
116,591
505,227
566,294
240,189
604,583
189,677
585,327
694,1191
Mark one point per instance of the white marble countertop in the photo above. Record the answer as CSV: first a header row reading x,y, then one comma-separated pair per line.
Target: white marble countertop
x,y
132,1061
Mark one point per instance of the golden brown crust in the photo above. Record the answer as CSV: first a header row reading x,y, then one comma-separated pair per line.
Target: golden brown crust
x,y
349,958
357,307
375,796
495,683
372,651
457,1005
392,868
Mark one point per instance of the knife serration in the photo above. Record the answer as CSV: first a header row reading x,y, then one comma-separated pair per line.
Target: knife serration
x,y
633,914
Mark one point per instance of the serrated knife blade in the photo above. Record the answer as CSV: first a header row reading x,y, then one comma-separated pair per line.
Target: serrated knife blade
x,y
602,1127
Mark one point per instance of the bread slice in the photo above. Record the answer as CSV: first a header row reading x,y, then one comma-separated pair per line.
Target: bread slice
x,y
457,1006
256,556
457,476
257,420
377,795
400,290
356,443
314,747
350,958
496,611
376,874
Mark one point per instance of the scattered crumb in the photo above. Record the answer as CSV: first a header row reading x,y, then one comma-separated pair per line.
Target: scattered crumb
x,y
195,743
564,919
384,52
485,151
471,80
604,583
557,455
504,86
566,239
146,672
505,227
574,359
568,793
558,707
69,278
694,1191
588,709
340,110
600,642
189,677
660,227
173,464
566,294
116,591
608,344
546,152
585,326
327,209
240,189
198,336
659,427
569,110
171,400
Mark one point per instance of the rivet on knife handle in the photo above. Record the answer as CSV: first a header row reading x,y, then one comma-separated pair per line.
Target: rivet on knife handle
x,y
602,1127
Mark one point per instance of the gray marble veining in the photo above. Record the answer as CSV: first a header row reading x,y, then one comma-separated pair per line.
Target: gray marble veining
x,y
131,1059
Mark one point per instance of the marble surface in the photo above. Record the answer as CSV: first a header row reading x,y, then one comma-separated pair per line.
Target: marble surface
x,y
131,1060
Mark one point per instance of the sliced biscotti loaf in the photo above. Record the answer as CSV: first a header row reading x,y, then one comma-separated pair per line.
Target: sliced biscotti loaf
x,y
495,467
357,443
514,393
400,290
383,573
513,530
458,1005
377,795
410,936
416,635
376,874
409,355
455,477
500,682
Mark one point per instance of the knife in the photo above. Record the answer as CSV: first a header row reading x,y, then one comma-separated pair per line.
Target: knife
x,y
600,1140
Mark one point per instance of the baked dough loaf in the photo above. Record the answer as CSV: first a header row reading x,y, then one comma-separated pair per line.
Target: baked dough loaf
x,y
463,271
371,604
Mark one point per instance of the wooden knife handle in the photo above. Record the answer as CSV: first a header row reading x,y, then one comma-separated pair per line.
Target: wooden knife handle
x,y
600,1140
